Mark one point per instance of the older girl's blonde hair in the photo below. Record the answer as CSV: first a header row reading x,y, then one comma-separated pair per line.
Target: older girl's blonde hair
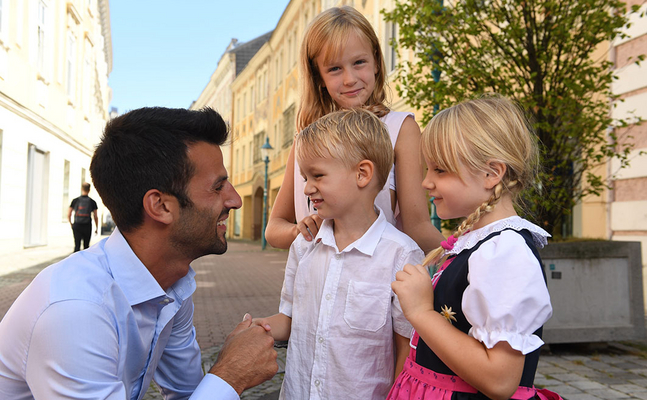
x,y
349,136
472,134
327,35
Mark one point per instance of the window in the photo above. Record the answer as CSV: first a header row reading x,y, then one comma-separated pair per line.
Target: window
x,y
19,17
3,27
390,53
237,161
41,36
82,175
71,56
289,51
265,85
243,159
66,189
281,66
277,132
88,77
258,142
288,126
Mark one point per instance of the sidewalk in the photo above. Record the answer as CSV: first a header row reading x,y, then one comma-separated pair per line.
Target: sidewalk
x,y
57,249
246,279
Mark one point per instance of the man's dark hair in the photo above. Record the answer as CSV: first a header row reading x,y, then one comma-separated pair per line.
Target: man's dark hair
x,y
147,149
85,187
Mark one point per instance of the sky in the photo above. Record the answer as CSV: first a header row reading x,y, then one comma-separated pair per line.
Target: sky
x,y
164,51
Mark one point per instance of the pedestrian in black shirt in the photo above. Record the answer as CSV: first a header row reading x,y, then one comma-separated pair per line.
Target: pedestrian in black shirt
x,y
83,206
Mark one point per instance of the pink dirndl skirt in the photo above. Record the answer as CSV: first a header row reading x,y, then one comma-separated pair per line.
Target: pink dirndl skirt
x,y
419,383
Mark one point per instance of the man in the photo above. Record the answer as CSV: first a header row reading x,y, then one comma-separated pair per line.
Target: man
x,y
104,322
83,206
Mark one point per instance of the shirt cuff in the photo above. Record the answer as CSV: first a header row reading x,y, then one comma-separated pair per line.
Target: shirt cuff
x,y
214,385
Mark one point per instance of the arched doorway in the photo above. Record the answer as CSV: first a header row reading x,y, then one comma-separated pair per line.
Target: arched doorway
x,y
258,213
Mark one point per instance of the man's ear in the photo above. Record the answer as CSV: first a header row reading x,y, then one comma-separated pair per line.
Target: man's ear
x,y
160,207
365,171
497,171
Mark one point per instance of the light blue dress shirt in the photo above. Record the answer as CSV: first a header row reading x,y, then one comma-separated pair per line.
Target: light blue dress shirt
x,y
97,325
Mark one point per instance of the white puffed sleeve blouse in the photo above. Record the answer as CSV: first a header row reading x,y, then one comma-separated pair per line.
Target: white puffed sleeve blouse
x,y
506,298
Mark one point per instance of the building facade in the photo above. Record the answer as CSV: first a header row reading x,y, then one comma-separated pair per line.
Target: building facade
x,y
627,214
55,58
218,95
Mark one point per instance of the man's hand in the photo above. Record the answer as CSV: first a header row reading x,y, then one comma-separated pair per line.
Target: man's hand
x,y
247,358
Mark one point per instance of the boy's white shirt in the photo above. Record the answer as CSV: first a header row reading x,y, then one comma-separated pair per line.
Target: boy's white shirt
x,y
344,312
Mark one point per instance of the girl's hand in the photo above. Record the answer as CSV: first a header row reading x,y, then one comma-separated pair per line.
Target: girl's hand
x,y
414,290
309,226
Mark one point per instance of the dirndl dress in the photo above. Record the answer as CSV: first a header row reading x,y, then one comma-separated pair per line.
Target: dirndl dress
x,y
421,383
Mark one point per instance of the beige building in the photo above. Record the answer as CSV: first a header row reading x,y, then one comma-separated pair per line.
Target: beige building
x,y
218,95
55,58
627,214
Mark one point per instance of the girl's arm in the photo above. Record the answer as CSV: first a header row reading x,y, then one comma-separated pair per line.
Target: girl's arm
x,y
281,229
401,352
495,372
280,325
411,196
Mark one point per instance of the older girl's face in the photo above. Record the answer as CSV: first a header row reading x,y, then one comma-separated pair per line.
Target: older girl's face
x,y
350,77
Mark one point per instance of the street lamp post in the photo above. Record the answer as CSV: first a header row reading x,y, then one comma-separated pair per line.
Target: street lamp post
x,y
265,149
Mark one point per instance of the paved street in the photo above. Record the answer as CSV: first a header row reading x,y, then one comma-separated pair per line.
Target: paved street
x,y
246,279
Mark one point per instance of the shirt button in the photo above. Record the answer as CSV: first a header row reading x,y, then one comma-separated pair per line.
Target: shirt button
x,y
321,340
317,383
337,256
328,297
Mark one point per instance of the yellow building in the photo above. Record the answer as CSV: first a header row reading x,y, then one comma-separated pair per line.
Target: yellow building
x,y
55,58
218,95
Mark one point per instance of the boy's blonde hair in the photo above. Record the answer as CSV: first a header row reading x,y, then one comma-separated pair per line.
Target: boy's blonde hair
x,y
327,34
349,136
472,133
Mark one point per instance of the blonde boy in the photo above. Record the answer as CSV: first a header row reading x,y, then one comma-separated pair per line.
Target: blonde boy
x,y
347,335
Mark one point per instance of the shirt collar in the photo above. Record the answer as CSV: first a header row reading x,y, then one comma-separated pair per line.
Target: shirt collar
x,y
136,281
365,244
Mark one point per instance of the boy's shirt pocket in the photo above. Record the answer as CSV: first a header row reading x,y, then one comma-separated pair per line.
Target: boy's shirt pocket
x,y
367,305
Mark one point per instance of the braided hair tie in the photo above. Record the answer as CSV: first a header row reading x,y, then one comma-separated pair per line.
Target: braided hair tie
x,y
449,243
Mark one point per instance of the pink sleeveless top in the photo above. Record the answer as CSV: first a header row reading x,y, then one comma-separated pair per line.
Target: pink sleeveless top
x,y
393,121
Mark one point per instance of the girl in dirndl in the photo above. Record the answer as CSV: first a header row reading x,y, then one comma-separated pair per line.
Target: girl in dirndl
x,y
478,321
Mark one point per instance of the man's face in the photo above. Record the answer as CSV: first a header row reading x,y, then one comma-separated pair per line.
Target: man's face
x,y
201,227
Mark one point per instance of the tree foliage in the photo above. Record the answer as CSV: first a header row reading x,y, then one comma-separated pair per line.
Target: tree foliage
x,y
538,52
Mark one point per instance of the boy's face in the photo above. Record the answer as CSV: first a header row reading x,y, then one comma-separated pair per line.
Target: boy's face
x,y
330,185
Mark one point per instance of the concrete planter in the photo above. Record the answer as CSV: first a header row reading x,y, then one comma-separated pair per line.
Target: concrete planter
x,y
596,291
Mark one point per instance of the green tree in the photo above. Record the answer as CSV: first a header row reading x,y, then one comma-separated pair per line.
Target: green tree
x,y
538,52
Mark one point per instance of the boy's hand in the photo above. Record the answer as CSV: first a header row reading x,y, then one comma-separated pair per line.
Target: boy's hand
x,y
309,226
262,322
415,292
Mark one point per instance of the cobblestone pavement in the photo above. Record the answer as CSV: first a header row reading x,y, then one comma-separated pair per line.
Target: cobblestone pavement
x,y
246,279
